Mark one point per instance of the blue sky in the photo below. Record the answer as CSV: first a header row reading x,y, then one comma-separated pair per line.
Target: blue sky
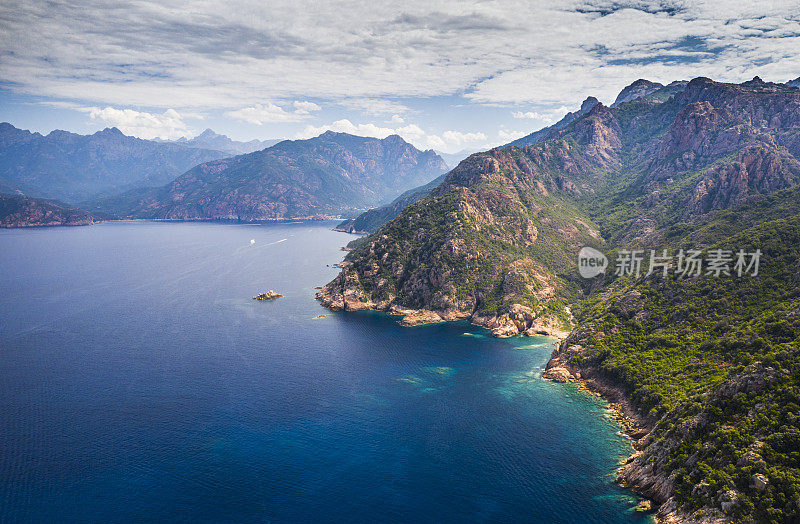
x,y
442,74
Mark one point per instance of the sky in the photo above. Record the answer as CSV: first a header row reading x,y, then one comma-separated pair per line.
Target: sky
x,y
447,75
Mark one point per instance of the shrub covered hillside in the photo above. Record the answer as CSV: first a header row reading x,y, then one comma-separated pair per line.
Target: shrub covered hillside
x,y
713,364
709,364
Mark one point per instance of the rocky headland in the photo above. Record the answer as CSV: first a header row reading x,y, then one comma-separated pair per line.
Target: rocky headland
x,y
701,369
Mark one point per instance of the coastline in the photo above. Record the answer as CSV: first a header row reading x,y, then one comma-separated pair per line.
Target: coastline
x,y
637,471
341,295
643,471
621,409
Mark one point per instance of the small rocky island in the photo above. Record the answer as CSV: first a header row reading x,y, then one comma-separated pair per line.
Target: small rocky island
x,y
269,295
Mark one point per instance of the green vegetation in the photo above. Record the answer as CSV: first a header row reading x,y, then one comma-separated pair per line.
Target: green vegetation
x,y
712,364
675,344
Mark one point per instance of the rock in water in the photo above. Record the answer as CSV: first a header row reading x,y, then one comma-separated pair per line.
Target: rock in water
x,y
269,295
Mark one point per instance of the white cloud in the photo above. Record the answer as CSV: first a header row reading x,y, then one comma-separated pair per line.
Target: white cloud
x,y
375,106
268,113
457,137
167,125
508,136
304,107
396,119
231,54
261,114
533,115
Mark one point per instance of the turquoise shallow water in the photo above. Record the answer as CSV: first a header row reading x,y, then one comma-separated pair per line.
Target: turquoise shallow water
x,y
142,383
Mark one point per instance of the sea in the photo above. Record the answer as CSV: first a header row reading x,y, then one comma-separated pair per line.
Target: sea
x,y
140,382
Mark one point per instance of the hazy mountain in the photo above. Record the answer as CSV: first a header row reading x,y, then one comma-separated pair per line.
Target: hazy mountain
x,y
707,366
452,159
794,83
71,167
370,221
332,174
22,211
208,139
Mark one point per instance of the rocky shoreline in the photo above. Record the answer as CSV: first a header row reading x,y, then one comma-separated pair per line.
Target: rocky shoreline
x,y
642,472
636,472
519,320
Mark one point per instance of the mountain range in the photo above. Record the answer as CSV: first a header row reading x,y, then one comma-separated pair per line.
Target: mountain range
x,y
332,174
208,139
74,168
706,367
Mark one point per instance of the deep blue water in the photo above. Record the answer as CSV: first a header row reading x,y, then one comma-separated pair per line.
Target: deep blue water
x,y
140,382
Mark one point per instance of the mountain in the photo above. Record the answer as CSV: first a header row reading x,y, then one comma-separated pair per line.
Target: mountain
x,y
332,174
71,167
208,139
370,221
22,211
452,159
639,89
544,133
794,83
706,368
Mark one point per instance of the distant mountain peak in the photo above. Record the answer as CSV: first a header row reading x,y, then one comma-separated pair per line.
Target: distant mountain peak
x,y
638,89
588,104
210,139
209,133
394,138
110,131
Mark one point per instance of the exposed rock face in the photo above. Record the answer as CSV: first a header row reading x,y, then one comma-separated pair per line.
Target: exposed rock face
x,y
757,170
331,174
638,89
22,211
416,318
